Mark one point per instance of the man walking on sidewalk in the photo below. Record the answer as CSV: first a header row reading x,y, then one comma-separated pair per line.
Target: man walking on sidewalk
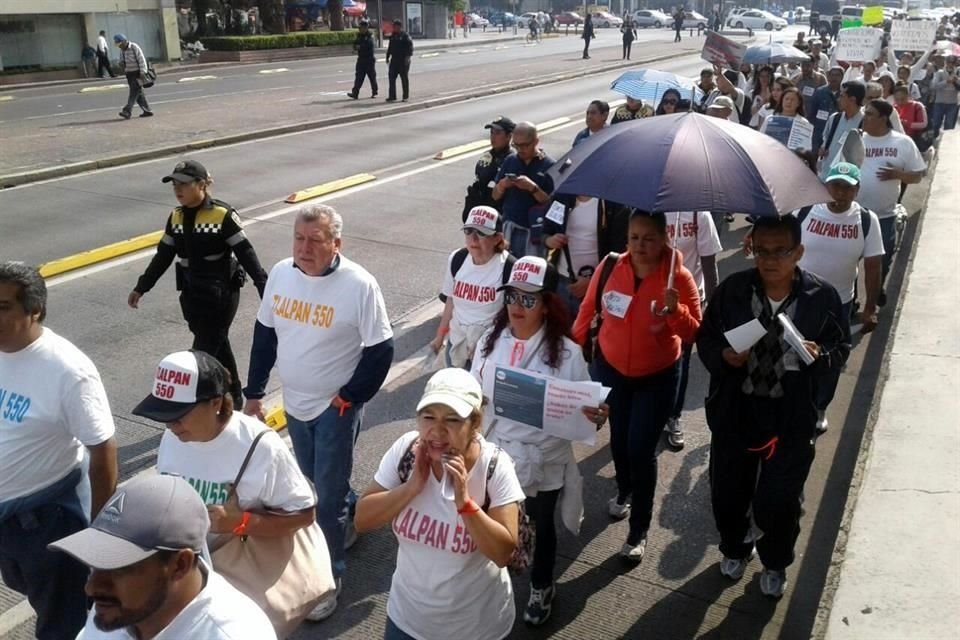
x,y
399,54
366,61
134,65
103,56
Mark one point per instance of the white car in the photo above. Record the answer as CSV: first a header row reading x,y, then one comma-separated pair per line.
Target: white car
x,y
756,19
524,20
651,18
694,20
606,19
475,21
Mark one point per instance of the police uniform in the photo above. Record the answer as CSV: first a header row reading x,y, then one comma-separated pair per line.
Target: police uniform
x,y
624,114
204,241
366,63
488,166
399,54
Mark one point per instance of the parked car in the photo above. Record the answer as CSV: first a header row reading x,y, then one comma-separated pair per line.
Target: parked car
x,y
606,19
756,19
524,20
651,18
504,18
476,21
694,20
569,17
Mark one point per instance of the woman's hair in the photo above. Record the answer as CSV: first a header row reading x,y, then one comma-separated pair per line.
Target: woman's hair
x,y
888,78
785,83
756,77
556,323
226,405
786,92
902,87
658,218
501,245
666,93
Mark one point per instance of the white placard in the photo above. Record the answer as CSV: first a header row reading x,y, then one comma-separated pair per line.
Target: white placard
x,y
912,35
794,338
859,44
557,213
745,336
801,135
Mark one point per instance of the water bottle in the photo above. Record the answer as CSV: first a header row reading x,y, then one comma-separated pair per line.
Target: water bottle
x,y
446,485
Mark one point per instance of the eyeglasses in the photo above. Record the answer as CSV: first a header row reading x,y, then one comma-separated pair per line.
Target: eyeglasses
x,y
474,232
523,145
673,102
525,300
780,254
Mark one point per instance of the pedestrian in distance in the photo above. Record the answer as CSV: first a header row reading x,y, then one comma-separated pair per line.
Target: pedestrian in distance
x,y
399,55
366,61
324,323
55,415
629,31
588,35
134,66
147,575
760,408
480,191
678,24
103,56
213,258
445,479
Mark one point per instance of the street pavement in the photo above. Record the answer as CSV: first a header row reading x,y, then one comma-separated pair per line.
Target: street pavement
x,y
401,227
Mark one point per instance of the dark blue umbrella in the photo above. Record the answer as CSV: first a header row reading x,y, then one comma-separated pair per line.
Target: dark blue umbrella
x,y
774,53
689,162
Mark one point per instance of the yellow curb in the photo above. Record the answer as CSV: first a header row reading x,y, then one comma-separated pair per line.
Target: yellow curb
x,y
106,87
280,70
461,149
276,419
93,256
195,78
329,187
6,98
430,55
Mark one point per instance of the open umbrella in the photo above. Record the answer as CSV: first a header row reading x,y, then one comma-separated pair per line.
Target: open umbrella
x,y
650,84
689,162
948,48
774,53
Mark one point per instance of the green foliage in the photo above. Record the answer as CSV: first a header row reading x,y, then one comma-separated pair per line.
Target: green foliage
x,y
283,41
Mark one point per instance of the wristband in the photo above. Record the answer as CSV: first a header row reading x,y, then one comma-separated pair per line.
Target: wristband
x,y
469,507
444,330
241,529
344,405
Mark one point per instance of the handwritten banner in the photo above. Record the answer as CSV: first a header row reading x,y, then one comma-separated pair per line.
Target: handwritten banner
x,y
873,16
722,51
859,44
912,35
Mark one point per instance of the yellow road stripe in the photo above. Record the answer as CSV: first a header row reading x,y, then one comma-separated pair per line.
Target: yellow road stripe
x,y
480,144
329,187
87,258
6,98
105,87
549,124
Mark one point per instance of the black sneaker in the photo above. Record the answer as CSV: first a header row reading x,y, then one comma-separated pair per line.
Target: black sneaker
x,y
146,114
125,115
390,100
540,605
882,299
351,94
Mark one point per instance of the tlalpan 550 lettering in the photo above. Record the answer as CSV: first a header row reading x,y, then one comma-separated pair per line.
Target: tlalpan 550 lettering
x,y
14,406
317,315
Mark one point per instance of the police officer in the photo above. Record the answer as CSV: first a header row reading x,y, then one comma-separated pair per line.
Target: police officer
x,y
204,235
366,61
480,192
399,54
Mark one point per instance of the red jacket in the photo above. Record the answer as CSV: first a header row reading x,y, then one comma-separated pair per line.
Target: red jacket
x,y
641,343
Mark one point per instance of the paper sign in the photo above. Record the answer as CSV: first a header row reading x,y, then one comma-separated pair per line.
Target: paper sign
x,y
547,403
722,51
745,336
794,338
795,134
616,303
872,16
556,213
860,44
912,35
851,23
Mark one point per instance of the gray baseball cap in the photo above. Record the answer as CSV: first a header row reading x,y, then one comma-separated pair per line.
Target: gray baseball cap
x,y
146,515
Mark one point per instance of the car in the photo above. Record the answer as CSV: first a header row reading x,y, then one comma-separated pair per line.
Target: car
x,y
475,21
694,20
569,17
525,19
503,18
606,19
756,19
651,18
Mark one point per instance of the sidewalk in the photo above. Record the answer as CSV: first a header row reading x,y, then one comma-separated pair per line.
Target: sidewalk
x,y
896,569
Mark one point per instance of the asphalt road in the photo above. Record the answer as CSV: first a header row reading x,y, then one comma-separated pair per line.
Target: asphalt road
x,y
401,227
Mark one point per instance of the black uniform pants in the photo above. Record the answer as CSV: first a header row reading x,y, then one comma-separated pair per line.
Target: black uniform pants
x,y
209,309
540,509
365,69
627,45
677,38
586,48
742,481
401,69
103,62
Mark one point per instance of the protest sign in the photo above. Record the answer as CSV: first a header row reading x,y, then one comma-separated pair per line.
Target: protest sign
x,y
859,44
794,133
722,51
912,35
872,16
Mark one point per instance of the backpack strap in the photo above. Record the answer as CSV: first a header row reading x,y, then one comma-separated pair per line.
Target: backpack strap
x,y
865,224
491,467
456,262
803,213
405,466
608,264
246,460
507,268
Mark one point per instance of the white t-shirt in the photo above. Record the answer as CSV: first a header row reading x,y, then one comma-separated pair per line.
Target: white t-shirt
x,y
444,587
52,405
474,289
219,612
322,324
272,480
833,245
698,238
581,231
892,150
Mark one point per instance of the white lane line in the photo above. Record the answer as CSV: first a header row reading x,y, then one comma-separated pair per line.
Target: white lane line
x,y
430,55
463,51
14,617
195,78
6,98
278,70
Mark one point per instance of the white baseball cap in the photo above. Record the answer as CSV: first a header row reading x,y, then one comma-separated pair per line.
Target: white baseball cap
x,y
532,275
484,219
454,388
183,379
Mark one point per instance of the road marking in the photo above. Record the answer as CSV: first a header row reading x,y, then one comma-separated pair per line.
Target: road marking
x,y
463,51
551,124
14,617
480,144
195,78
278,70
105,87
6,98
501,47
430,55
329,187
100,254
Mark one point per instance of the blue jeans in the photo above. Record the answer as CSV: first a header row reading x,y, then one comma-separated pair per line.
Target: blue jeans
x,y
888,233
393,632
324,450
943,115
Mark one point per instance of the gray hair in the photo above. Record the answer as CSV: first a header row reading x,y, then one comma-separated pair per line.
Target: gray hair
x,y
32,292
874,89
326,215
526,129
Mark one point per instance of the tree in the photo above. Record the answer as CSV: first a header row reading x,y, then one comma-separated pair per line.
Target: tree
x,y
273,17
200,9
335,9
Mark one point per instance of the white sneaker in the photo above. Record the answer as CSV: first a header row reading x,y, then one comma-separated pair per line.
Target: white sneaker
x,y
349,535
618,510
675,433
733,568
822,424
327,606
773,583
634,552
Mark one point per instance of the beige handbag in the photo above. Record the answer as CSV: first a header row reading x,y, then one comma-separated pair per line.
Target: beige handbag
x,y
287,577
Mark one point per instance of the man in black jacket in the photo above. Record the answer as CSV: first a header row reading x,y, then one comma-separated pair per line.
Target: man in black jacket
x,y
399,54
366,61
480,192
760,407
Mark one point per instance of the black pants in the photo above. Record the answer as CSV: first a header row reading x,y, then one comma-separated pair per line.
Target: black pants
x,y
402,70
52,581
541,509
682,380
136,94
209,312
586,48
743,481
626,49
103,62
365,70
677,37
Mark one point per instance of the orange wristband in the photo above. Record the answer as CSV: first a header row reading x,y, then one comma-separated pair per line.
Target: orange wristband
x,y
241,529
344,405
469,508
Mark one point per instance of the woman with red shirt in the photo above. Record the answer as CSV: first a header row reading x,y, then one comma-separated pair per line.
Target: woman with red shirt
x,y
644,324
912,114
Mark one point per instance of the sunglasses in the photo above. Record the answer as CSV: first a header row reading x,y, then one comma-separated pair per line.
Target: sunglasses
x,y
475,232
525,300
673,102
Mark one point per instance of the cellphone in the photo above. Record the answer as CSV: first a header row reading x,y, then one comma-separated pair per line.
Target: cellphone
x,y
510,176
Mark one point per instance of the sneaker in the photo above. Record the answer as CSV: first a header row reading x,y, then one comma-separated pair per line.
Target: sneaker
x,y
733,568
633,551
773,582
675,433
618,508
146,114
406,100
327,606
822,423
351,94
390,100
125,115
539,605
349,535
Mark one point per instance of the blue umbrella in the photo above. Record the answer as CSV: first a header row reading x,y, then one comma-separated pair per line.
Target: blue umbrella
x,y
774,53
689,162
650,85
